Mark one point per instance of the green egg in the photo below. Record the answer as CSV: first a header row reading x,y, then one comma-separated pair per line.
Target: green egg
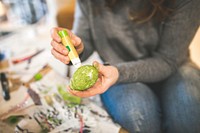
x,y
84,78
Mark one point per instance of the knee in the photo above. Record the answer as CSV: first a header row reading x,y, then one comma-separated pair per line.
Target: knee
x,y
181,100
190,74
132,92
185,84
134,106
181,110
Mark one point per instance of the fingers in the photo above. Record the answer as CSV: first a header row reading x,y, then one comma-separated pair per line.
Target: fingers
x,y
82,94
61,57
59,48
98,88
56,37
101,68
60,52
76,41
87,93
108,75
54,34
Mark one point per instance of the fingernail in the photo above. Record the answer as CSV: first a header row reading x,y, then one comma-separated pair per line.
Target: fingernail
x,y
78,40
58,39
96,65
73,41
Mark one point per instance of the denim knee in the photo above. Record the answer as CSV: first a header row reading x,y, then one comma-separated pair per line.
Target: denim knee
x,y
133,106
181,101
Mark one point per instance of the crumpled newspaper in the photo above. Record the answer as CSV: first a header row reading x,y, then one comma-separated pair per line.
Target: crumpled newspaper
x,y
56,115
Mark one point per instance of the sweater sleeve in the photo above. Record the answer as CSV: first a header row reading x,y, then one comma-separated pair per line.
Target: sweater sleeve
x,y
81,28
176,35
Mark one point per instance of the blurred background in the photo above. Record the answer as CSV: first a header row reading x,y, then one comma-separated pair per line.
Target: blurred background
x,y
18,13
25,25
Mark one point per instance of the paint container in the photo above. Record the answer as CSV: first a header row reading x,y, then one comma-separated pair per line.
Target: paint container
x,y
73,55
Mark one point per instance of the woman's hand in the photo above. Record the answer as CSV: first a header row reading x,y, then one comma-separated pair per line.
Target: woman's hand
x,y
108,75
59,51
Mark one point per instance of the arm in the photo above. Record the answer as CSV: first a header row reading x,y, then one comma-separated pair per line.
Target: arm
x,y
82,35
177,33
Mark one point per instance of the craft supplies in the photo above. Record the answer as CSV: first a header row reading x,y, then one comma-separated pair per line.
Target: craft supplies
x,y
73,55
5,86
67,97
4,59
15,61
38,76
84,78
48,100
45,70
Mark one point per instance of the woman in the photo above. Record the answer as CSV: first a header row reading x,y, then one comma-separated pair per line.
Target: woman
x,y
150,86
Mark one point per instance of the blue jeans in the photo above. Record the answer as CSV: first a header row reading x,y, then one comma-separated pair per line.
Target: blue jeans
x,y
170,106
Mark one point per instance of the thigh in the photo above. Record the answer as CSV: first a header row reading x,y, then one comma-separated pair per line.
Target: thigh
x,y
181,101
133,106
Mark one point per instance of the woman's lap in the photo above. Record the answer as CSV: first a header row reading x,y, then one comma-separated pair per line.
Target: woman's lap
x,y
133,106
180,101
137,108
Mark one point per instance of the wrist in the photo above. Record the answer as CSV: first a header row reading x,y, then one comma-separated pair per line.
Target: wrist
x,y
115,74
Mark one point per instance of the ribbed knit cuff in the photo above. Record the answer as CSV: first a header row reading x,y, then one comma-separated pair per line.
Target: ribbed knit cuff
x,y
121,71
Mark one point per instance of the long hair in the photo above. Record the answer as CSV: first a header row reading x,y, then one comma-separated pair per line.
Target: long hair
x,y
152,9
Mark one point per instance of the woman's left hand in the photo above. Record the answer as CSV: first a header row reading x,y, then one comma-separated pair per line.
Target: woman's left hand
x,y
108,75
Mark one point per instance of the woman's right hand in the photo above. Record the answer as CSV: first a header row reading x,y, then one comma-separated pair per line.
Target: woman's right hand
x,y
58,50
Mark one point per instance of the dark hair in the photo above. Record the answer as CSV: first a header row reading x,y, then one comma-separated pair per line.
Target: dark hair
x,y
158,9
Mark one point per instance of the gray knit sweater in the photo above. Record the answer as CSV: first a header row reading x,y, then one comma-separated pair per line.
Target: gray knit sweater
x,y
147,52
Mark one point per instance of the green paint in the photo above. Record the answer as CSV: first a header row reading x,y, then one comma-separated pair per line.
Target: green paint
x,y
84,78
63,33
14,119
68,48
38,76
67,97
